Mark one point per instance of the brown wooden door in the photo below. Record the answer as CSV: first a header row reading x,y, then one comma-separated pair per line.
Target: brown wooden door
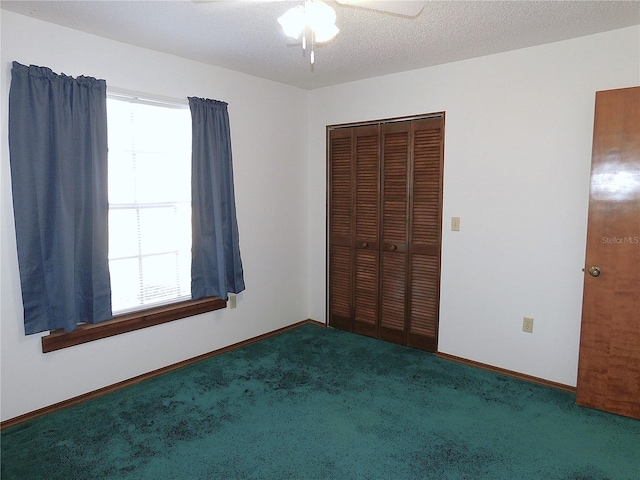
x,y
384,229
353,172
340,194
394,227
425,226
366,160
609,363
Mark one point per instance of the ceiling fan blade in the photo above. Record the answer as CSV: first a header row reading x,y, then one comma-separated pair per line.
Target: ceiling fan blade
x,y
235,1
410,9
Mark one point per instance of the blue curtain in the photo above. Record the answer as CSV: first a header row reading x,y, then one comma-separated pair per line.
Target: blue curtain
x,y
58,156
216,267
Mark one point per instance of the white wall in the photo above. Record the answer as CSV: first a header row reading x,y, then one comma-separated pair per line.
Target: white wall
x,y
517,159
269,149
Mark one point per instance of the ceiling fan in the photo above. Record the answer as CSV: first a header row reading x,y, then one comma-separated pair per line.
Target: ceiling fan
x,y
315,20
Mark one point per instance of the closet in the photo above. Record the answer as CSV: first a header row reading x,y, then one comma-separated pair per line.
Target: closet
x,y
384,228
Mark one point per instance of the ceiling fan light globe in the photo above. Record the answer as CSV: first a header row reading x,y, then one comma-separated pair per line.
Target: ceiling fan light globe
x,y
325,33
320,14
292,22
321,19
320,10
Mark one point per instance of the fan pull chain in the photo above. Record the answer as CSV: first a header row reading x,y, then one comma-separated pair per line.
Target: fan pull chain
x,y
312,56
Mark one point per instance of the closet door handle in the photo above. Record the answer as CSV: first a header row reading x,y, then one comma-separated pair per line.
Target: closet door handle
x,y
365,244
393,247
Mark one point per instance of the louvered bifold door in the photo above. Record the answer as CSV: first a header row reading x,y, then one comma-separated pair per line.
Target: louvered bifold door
x,y
425,233
394,230
366,165
340,203
384,223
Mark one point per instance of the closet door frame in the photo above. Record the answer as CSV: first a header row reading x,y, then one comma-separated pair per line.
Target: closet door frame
x,y
405,337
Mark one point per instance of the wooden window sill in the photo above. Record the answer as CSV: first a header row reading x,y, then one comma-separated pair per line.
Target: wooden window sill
x,y
59,339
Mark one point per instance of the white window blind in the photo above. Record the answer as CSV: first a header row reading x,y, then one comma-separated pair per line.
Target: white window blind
x,y
149,202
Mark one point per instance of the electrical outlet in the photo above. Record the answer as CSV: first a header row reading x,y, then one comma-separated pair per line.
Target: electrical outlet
x,y
527,324
232,301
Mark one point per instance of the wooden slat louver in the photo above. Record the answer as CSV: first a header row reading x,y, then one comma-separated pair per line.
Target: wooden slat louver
x,y
394,202
425,229
426,207
366,300
424,301
340,228
395,156
367,159
341,187
393,289
340,281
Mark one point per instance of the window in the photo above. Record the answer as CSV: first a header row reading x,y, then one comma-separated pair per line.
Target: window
x,y
150,216
64,199
149,202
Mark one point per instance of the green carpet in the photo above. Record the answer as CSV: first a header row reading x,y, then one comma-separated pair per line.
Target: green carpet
x,y
315,403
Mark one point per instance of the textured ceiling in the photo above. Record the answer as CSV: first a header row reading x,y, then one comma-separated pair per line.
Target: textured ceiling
x,y
246,37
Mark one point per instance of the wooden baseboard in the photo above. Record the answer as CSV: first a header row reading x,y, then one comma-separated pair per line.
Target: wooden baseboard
x,y
509,373
146,376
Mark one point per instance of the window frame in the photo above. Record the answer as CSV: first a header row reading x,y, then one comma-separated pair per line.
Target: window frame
x,y
164,103
130,322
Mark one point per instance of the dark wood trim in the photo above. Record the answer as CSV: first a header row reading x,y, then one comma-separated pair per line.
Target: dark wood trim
x,y
509,373
405,118
130,322
146,376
